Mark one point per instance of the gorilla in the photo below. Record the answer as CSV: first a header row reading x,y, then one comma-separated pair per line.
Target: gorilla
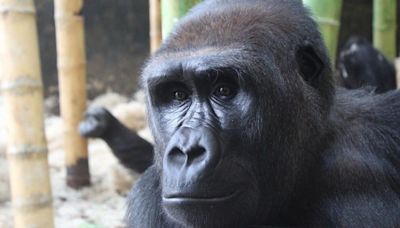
x,y
361,65
132,151
249,130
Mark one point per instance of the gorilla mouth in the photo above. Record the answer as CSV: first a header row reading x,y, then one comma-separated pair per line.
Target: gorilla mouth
x,y
187,198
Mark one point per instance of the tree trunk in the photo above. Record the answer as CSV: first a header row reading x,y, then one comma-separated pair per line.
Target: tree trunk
x,y
72,81
384,27
327,14
23,98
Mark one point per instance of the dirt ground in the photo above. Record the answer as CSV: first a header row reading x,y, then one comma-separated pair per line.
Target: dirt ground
x,y
101,205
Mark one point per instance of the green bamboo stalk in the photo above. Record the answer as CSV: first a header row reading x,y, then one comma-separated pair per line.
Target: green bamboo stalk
x,y
327,14
171,11
384,27
186,5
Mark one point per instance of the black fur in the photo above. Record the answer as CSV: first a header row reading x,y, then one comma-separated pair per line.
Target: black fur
x,y
131,150
361,65
249,130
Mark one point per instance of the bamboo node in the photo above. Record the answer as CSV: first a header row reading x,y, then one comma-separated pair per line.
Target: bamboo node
x,y
327,21
71,66
383,27
65,17
26,150
21,85
33,203
4,9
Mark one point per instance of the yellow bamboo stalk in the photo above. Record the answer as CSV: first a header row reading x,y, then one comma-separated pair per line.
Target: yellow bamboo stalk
x,y
155,25
72,80
23,98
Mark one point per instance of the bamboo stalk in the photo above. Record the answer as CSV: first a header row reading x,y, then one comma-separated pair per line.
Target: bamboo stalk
x,y
72,80
186,5
169,15
171,11
384,27
23,98
327,14
155,25
397,65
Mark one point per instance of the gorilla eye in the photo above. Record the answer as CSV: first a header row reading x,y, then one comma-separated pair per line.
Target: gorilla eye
x,y
180,95
224,92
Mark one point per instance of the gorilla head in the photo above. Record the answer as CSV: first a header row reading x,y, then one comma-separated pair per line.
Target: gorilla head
x,y
361,65
223,101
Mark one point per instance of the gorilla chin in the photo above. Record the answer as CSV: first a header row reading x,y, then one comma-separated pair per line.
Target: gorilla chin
x,y
234,208
227,197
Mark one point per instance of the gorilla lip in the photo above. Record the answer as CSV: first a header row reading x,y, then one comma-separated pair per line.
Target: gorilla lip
x,y
181,198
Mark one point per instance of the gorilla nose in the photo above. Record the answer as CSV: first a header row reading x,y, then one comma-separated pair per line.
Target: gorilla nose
x,y
191,154
187,157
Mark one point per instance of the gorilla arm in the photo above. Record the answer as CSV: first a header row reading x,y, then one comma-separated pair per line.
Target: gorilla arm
x,y
132,151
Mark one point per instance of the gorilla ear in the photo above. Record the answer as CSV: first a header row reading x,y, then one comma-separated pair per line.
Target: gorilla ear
x,y
310,64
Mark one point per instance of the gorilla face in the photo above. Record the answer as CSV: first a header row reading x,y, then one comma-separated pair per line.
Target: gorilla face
x,y
201,112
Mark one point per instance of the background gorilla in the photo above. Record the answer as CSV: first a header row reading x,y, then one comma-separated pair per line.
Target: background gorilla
x,y
361,65
132,151
249,130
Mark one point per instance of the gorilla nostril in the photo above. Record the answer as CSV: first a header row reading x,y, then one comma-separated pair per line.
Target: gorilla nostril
x,y
196,153
177,156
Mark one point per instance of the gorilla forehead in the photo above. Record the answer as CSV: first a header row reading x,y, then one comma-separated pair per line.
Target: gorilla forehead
x,y
198,61
258,24
262,33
